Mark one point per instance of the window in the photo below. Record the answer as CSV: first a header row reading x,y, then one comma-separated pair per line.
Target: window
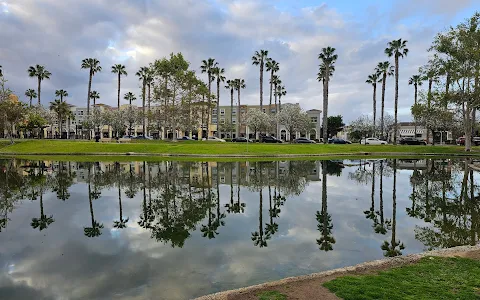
x,y
264,110
81,112
222,111
222,120
214,120
272,110
234,111
314,119
234,120
214,111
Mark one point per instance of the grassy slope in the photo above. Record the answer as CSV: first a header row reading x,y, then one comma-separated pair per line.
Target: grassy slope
x,y
431,278
79,147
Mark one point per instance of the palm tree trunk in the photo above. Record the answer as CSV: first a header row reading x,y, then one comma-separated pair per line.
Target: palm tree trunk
x,y
261,86
231,111
384,82
374,107
90,202
39,89
209,102
415,100
381,193
89,90
396,101
118,91
120,202
218,107
149,102
271,90
41,204
394,197
238,114
31,101
373,187
277,133
429,103
325,104
143,108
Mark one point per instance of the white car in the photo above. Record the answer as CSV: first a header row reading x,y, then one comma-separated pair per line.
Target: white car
x,y
215,139
372,141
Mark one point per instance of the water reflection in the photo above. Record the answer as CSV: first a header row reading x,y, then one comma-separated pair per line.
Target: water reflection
x,y
263,220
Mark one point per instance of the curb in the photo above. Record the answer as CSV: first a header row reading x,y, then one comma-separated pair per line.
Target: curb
x,y
387,263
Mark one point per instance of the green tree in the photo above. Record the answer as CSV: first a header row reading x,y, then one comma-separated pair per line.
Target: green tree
x,y
94,95
328,58
31,94
281,91
120,70
373,79
231,86
129,97
219,74
143,75
335,123
61,93
61,110
41,74
385,70
259,59
208,66
239,85
397,49
93,65
44,221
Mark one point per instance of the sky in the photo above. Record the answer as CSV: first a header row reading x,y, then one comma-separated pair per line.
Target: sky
x,y
60,33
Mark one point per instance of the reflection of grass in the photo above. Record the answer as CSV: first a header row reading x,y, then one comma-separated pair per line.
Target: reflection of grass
x,y
209,148
271,295
431,278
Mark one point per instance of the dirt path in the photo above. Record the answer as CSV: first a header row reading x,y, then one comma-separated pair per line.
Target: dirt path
x,y
310,286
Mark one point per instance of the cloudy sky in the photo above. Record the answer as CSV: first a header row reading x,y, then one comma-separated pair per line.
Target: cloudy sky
x,y
60,33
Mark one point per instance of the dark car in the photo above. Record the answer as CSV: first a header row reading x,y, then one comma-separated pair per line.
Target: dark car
x,y
412,141
338,141
461,141
241,140
270,139
184,138
304,141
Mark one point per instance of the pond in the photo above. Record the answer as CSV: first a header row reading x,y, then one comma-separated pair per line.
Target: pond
x,y
177,230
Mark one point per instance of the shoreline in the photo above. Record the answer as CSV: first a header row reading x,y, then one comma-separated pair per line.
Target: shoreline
x,y
366,267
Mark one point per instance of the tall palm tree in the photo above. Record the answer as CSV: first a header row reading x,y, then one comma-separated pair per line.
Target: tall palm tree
x,y
120,70
384,69
259,59
430,72
94,95
41,74
324,219
30,93
93,231
373,79
328,58
93,65
276,82
416,81
397,49
61,94
129,97
43,222
143,74
61,109
231,86
272,67
70,118
281,91
219,74
239,84
208,67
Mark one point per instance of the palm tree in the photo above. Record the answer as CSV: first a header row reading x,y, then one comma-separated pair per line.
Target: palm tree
x,y
373,79
61,94
416,80
41,74
384,69
328,58
30,93
219,73
143,75
61,109
391,249
208,67
276,83
430,72
121,223
70,117
94,95
397,49
259,59
43,222
272,67
231,86
129,97
281,91
93,65
1,71
239,84
119,69
324,219
260,238
93,231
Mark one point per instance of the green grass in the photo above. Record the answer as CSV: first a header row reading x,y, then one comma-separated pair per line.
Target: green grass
x,y
431,278
271,295
53,147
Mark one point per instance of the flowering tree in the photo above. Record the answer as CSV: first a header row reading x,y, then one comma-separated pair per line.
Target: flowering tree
x,y
258,121
294,119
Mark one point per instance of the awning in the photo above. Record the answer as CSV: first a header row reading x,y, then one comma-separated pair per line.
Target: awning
x,y
411,131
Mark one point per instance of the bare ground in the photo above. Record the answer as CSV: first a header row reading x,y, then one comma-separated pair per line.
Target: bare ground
x,y
310,286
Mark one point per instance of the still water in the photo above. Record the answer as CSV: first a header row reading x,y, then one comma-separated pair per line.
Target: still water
x,y
177,230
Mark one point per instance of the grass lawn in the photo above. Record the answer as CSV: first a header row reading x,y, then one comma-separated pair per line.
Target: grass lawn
x,y
271,295
210,148
431,278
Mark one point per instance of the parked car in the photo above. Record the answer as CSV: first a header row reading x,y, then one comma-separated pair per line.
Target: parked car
x,y
412,141
338,141
215,139
185,138
128,137
372,141
475,141
241,140
304,141
270,139
143,137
